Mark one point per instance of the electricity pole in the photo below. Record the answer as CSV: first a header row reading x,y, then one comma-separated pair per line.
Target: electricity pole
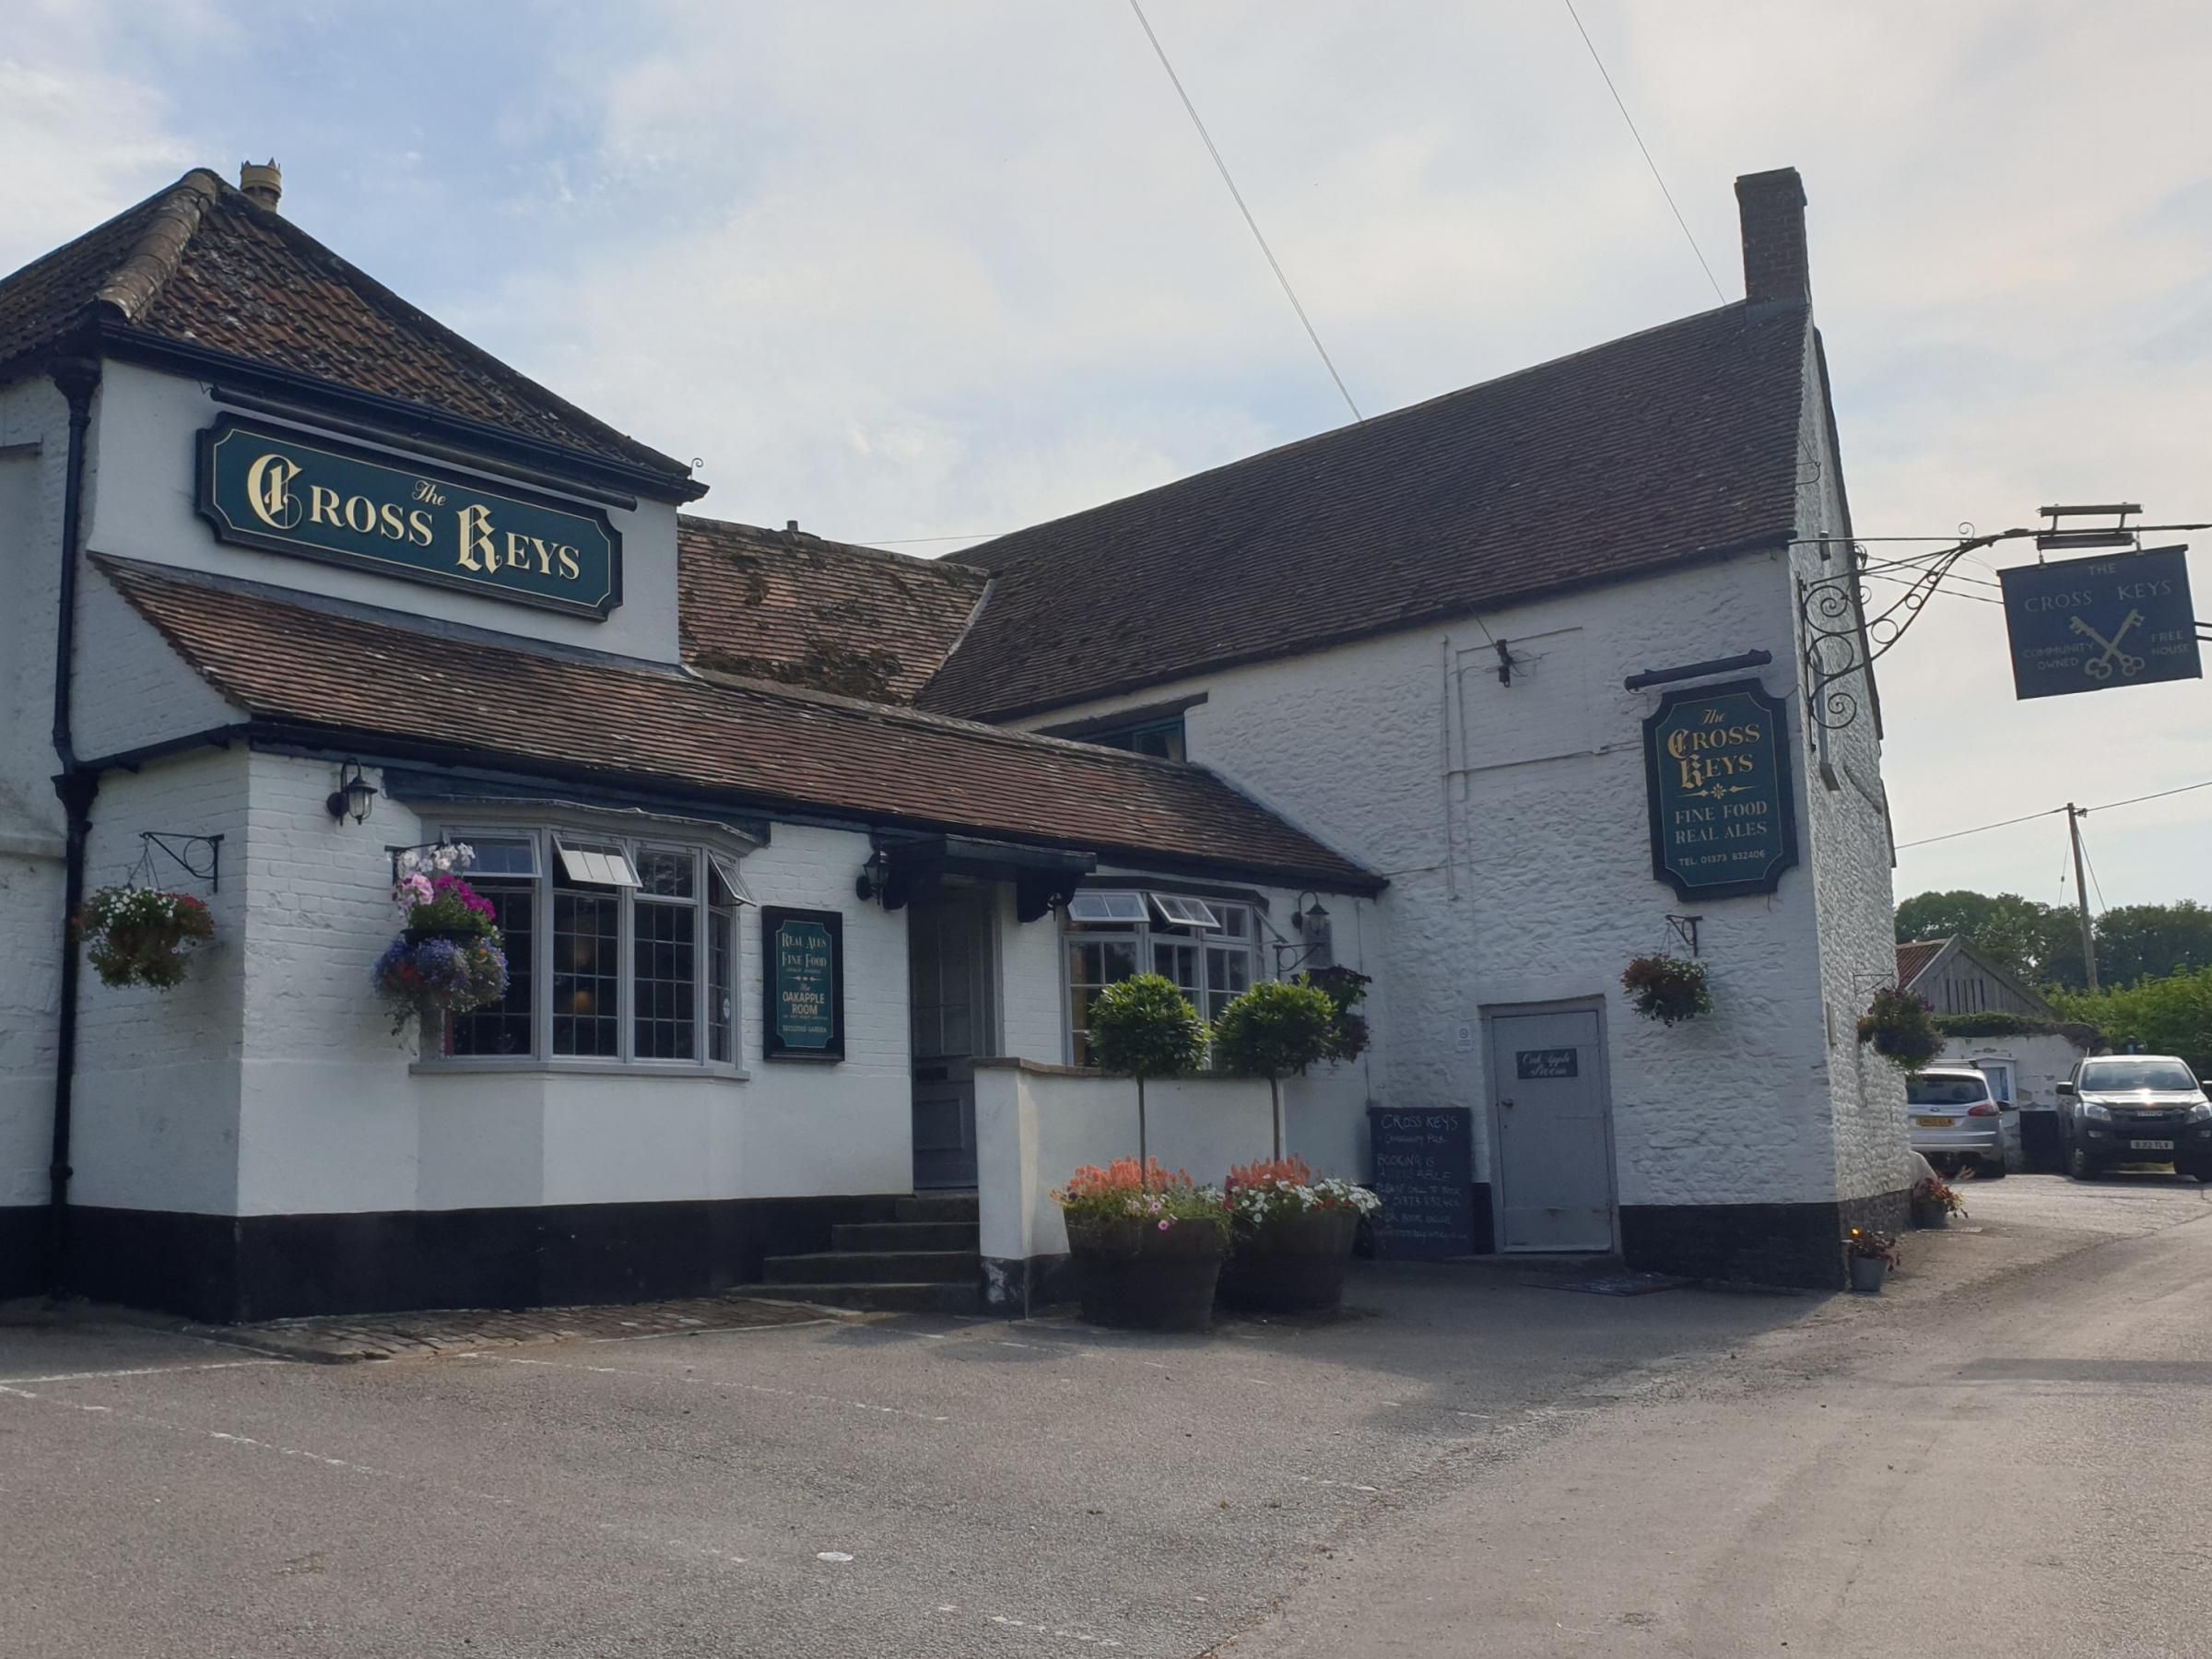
x,y
2081,896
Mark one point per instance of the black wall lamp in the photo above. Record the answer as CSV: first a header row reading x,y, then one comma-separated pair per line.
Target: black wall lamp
x,y
874,874
354,796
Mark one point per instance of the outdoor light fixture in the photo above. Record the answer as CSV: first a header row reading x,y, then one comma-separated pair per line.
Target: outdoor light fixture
x,y
1313,917
873,875
1311,923
354,796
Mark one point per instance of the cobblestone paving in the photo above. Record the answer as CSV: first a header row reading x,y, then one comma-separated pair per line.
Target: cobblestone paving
x,y
346,1338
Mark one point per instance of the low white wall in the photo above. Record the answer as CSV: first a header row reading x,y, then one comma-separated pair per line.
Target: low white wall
x,y
1037,1125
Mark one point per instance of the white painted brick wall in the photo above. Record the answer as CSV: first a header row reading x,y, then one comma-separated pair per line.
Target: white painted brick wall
x,y
1547,893
157,1097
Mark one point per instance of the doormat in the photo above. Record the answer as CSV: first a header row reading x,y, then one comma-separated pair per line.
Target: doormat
x,y
1625,1284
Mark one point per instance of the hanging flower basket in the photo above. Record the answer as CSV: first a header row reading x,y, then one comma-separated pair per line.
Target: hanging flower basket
x,y
448,957
1901,1030
137,935
1291,1236
1667,989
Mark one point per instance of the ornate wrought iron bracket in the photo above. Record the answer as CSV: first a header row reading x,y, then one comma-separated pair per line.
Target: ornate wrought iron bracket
x,y
188,852
1848,628
1685,929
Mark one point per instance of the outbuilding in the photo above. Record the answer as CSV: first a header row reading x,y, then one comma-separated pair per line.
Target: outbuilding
x,y
808,857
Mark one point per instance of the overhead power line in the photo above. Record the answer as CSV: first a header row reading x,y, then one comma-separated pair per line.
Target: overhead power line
x,y
1237,195
1929,841
1641,146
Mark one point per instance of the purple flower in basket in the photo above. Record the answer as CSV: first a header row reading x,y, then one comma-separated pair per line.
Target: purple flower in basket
x,y
451,976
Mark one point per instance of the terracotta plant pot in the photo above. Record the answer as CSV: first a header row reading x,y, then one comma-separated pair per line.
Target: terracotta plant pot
x,y
1134,1275
1293,1265
1866,1274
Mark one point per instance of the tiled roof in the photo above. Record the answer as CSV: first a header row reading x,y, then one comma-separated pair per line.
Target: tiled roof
x,y
1913,957
198,263
1669,445
760,745
775,605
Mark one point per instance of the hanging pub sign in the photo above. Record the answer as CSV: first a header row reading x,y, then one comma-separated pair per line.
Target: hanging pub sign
x,y
803,955
2111,619
285,491
1716,765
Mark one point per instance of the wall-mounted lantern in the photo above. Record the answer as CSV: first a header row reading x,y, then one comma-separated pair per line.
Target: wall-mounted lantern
x,y
1312,926
354,796
873,876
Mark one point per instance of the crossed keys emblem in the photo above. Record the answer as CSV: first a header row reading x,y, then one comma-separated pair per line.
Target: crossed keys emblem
x,y
2101,668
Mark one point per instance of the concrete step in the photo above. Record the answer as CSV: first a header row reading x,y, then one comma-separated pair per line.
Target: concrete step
x,y
937,1207
884,1297
874,1267
903,1235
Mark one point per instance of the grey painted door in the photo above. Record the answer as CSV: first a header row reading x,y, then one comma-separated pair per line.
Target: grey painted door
x,y
949,969
1555,1165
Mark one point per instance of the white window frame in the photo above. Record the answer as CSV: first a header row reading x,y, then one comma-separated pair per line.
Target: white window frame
x,y
614,848
1180,909
1154,929
1109,906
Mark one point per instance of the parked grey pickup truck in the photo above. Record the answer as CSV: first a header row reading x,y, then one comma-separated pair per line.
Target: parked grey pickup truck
x,y
2126,1109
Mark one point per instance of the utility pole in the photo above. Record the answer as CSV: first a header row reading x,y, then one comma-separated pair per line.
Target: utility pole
x,y
2081,896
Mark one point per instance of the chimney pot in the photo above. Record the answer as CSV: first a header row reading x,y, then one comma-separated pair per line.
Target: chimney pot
x,y
263,182
1775,262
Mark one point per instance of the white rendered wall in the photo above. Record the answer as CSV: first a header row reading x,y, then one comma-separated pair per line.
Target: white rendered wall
x,y
336,1117
2039,1063
1511,821
1036,1125
141,508
155,1120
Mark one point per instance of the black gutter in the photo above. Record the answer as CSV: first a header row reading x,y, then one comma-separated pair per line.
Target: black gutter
x,y
78,379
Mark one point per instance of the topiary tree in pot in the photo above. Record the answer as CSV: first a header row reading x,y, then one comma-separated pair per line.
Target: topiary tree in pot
x,y
1145,1028
1273,1030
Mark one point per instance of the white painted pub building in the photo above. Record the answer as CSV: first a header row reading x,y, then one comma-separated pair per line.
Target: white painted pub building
x,y
810,857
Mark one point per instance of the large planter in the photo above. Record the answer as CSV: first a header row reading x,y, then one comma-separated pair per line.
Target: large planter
x,y
1290,1264
1868,1273
1928,1212
1132,1274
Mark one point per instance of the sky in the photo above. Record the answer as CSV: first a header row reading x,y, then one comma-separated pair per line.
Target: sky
x,y
920,271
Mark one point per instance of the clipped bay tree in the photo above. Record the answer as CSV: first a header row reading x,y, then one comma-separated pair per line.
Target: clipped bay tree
x,y
1145,1028
1273,1030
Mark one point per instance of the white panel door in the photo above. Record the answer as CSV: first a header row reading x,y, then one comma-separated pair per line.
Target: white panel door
x,y
1554,1188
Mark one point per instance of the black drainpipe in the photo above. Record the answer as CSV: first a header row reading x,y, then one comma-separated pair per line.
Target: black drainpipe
x,y
78,379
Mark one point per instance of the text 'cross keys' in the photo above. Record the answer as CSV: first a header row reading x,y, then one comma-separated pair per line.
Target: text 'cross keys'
x,y
2101,668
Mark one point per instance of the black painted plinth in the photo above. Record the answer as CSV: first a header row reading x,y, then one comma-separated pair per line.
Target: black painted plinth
x,y
232,1269
1798,1245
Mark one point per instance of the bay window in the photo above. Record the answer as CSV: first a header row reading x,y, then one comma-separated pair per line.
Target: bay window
x,y
1203,946
620,951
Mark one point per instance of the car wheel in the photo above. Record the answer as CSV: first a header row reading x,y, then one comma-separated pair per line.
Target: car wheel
x,y
2078,1165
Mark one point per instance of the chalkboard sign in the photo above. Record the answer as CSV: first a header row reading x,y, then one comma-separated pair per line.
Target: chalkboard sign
x,y
1425,1175
1532,1063
803,985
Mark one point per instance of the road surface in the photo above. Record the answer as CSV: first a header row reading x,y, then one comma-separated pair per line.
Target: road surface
x,y
2006,1454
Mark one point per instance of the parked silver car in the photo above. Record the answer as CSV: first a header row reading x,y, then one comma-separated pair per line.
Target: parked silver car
x,y
2125,1109
1953,1118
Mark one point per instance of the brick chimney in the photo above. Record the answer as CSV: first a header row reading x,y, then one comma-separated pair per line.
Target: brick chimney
x,y
263,182
1772,205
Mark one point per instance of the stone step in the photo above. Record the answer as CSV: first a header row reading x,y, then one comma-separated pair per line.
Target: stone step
x,y
884,1297
874,1267
903,1235
939,1206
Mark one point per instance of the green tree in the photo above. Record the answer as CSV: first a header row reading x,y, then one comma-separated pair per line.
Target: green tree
x,y
2169,1015
1272,1030
1145,1028
2152,941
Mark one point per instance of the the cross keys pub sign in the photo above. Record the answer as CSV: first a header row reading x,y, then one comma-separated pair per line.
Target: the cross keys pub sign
x,y
1717,773
2111,619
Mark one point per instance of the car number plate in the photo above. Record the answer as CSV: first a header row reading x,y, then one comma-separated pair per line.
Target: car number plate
x,y
2150,1146
1934,1123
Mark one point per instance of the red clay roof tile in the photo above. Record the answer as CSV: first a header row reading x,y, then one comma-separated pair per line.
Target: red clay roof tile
x,y
760,745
